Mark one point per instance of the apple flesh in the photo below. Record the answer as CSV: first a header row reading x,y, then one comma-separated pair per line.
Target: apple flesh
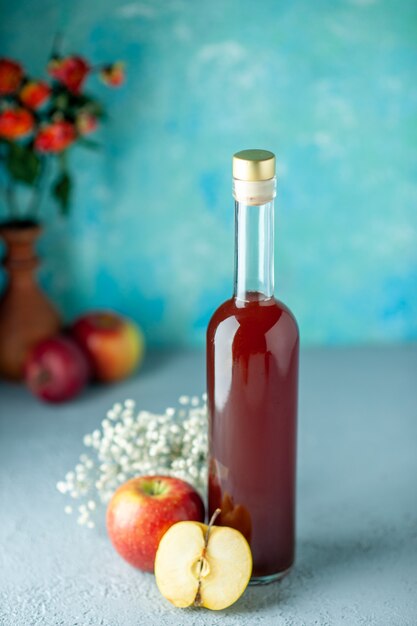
x,y
143,509
114,344
201,565
56,370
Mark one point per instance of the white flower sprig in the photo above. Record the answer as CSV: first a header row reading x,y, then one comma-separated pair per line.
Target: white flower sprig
x,y
173,443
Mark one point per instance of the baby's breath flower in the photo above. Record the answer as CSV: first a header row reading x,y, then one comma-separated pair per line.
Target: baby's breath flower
x,y
132,443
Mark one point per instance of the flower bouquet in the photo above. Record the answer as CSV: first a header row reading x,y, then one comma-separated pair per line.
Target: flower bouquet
x,y
39,120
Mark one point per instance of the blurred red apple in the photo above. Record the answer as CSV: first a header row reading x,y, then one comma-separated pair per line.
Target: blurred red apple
x,y
56,369
143,509
114,344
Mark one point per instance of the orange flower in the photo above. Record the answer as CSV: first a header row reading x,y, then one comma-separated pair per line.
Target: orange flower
x,y
113,75
55,137
35,94
71,72
86,123
11,74
15,123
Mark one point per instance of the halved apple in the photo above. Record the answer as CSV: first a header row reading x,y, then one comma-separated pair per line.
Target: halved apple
x,y
203,565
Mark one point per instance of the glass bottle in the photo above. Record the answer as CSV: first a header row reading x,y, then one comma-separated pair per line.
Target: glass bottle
x,y
252,384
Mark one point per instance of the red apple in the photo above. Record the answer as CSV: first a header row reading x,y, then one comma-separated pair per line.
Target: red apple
x,y
56,369
143,509
114,344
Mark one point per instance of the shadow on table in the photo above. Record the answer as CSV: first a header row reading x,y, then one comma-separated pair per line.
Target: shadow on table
x,y
320,561
154,361
157,359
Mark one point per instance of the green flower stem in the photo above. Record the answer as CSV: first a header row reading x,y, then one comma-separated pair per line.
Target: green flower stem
x,y
56,45
11,201
38,190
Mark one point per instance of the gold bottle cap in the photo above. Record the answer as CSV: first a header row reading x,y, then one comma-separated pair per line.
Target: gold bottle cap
x,y
253,165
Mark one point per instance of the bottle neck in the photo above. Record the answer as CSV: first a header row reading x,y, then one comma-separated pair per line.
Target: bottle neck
x,y
254,251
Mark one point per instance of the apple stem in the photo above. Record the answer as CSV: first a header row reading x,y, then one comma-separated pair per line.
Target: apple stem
x,y
42,376
211,524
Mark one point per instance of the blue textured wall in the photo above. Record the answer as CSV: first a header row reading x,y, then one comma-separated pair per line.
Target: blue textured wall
x,y
330,86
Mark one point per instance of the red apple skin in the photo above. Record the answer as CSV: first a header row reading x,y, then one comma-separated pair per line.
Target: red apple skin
x,y
136,519
56,369
114,344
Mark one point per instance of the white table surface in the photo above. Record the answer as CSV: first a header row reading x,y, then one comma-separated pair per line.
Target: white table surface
x,y
357,502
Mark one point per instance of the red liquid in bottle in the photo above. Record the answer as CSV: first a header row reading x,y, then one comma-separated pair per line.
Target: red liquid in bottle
x,y
252,376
